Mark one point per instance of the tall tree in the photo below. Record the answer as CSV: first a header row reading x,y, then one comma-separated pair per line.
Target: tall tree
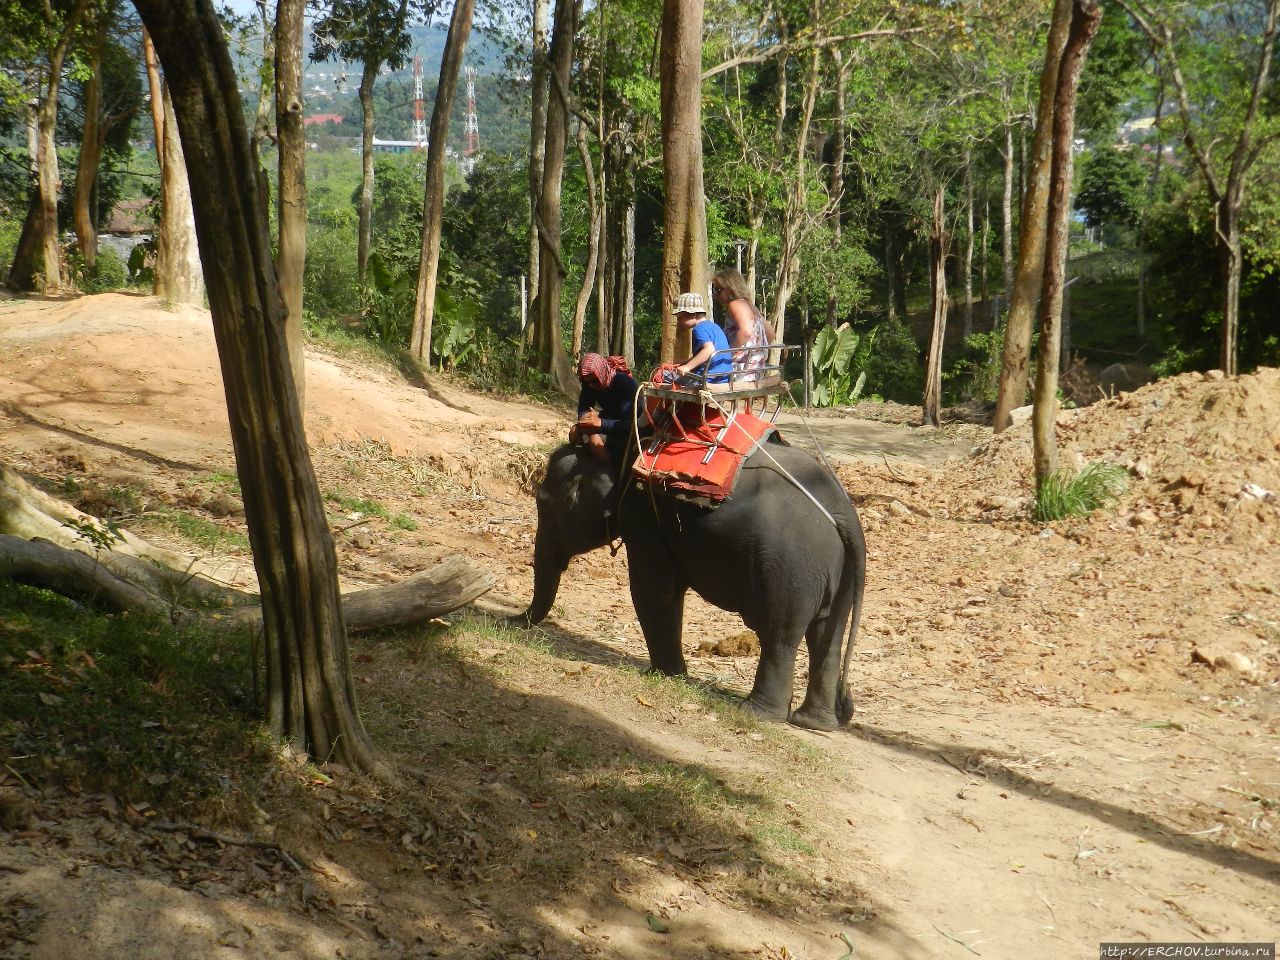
x,y
548,349
310,693
939,302
291,191
53,25
178,274
372,33
1085,16
1031,233
537,147
424,303
1228,101
684,216
90,145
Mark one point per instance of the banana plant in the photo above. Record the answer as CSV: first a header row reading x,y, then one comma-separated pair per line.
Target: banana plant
x,y
839,359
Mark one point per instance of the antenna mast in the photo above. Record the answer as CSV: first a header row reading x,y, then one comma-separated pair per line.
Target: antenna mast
x,y
419,115
472,125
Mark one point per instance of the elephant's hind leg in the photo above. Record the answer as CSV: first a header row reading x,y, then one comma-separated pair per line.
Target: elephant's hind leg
x,y
770,697
818,711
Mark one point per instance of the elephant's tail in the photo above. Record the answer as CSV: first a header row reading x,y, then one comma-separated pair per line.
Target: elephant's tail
x,y
856,560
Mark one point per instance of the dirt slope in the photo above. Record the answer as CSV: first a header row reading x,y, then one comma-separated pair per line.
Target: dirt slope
x,y
1065,734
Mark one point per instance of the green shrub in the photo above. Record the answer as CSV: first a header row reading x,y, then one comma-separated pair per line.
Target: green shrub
x,y
895,369
1064,494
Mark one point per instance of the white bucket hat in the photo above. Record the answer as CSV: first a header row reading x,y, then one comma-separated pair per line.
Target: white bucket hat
x,y
690,303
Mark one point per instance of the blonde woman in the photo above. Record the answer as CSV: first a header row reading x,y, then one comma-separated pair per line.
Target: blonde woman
x,y
745,325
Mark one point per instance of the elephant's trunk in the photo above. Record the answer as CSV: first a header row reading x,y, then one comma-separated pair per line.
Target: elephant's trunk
x,y
547,567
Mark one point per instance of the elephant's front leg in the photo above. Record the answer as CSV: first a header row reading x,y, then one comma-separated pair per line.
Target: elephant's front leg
x,y
659,601
770,697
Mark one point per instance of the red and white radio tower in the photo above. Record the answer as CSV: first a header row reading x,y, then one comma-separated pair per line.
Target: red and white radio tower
x,y
419,115
472,125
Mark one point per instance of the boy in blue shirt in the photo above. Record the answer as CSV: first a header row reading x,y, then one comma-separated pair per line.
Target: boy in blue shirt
x,y
708,361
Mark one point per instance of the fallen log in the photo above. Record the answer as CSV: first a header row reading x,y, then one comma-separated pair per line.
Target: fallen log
x,y
30,513
72,574
41,544
450,584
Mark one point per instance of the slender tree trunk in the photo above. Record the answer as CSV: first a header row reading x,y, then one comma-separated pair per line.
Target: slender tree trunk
x,y
968,244
1032,230
1085,16
178,276
684,247
537,146
603,312
593,244
156,89
1006,214
1228,230
90,151
291,192
938,242
363,241
836,180
986,246
548,343
263,130
424,301
311,696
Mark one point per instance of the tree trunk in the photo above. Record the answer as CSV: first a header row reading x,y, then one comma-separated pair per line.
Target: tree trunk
x,y
291,192
156,88
363,241
835,182
262,126
593,244
1032,231
50,181
424,301
178,275
548,346
938,242
90,152
1085,17
968,244
537,145
684,215
1006,214
22,268
311,696
1228,241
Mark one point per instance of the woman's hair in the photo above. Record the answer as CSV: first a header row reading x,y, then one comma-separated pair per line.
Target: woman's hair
x,y
733,281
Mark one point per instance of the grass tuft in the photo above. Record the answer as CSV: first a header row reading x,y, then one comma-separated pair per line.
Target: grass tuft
x,y
1063,494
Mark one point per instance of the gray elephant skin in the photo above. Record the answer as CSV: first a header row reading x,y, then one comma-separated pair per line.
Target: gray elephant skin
x,y
767,553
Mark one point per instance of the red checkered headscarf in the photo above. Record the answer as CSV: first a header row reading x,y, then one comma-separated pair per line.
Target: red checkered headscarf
x,y
597,372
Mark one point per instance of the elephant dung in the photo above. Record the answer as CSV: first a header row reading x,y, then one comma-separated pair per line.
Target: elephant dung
x,y
744,644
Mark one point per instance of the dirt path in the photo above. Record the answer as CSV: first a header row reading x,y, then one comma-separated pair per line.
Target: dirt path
x,y
1043,757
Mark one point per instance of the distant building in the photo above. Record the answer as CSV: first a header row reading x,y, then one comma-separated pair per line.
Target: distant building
x,y
316,118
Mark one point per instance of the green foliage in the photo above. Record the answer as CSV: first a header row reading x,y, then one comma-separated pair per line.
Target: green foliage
x,y
1064,494
122,704
895,369
975,375
108,272
1112,187
839,362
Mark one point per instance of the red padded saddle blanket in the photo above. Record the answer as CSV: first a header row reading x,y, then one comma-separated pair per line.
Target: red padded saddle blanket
x,y
676,465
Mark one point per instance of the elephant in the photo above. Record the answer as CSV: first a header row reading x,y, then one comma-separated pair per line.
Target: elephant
x,y
791,569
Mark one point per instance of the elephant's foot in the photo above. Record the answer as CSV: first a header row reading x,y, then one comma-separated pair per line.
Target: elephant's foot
x,y
814,719
668,669
769,713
